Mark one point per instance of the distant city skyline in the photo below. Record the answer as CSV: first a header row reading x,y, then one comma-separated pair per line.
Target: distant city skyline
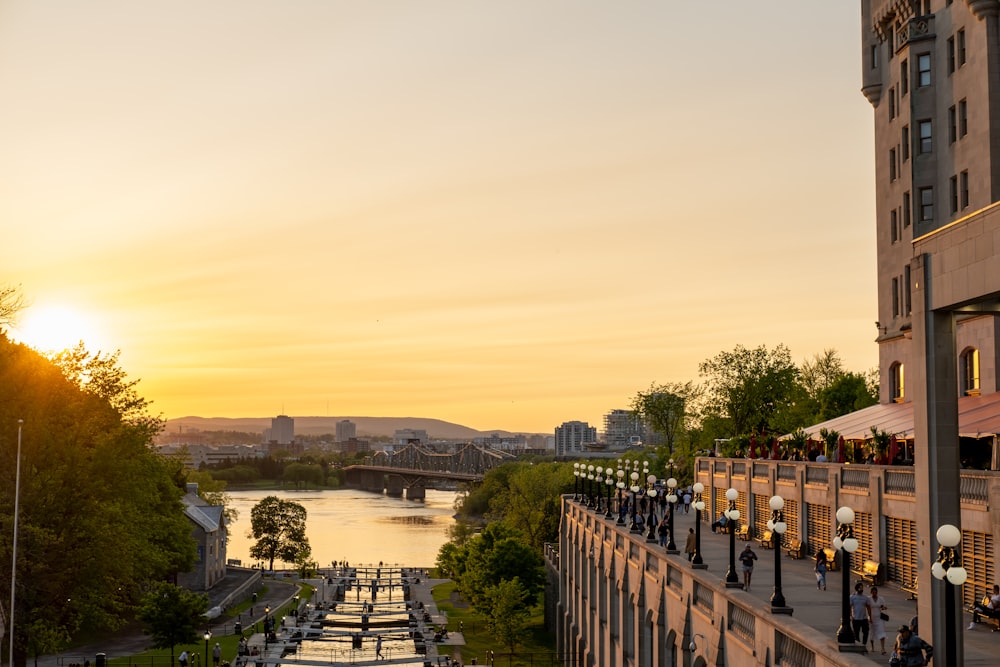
x,y
504,215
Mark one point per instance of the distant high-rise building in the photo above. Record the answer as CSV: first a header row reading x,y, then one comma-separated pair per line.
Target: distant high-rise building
x,y
282,430
346,430
572,437
623,428
410,436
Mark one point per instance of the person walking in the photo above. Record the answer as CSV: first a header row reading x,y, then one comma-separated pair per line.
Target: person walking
x,y
687,501
878,607
378,648
912,651
216,654
183,659
861,613
690,545
747,557
662,531
820,569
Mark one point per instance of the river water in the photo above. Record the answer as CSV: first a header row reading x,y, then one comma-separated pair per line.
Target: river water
x,y
357,526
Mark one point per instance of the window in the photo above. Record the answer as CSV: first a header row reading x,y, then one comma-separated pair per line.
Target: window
x,y
952,125
951,55
873,56
960,47
963,189
904,144
963,118
892,164
953,193
926,140
893,225
895,297
969,372
926,204
896,382
923,70
906,210
892,103
904,77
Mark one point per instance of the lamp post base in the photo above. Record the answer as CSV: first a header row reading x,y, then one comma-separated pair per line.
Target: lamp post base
x,y
781,610
673,551
699,566
734,584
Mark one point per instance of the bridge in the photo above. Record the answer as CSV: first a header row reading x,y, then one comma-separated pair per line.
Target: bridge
x,y
405,472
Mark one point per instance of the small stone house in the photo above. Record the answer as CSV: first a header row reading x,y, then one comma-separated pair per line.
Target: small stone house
x,y
208,528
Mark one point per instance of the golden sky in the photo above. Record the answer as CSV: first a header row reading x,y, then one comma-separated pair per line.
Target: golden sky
x,y
503,214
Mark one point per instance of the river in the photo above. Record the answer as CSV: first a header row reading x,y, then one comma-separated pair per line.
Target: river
x,y
357,526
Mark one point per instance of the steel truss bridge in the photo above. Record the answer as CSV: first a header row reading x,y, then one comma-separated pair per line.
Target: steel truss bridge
x,y
405,472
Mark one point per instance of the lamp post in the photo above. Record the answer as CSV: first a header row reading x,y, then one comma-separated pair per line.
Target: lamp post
x,y
576,481
672,502
267,626
732,516
634,476
590,486
848,544
777,526
651,493
608,482
948,568
697,562
621,487
599,480
207,636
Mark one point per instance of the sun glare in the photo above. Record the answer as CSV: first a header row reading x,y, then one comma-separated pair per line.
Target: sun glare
x,y
55,328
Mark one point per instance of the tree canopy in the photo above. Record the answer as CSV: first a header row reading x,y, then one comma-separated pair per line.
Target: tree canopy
x,y
279,526
90,485
172,615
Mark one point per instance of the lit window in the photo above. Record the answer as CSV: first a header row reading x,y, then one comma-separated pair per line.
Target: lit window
x,y
926,204
896,382
923,70
969,370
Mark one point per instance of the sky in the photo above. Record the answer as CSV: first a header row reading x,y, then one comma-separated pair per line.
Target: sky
x,y
502,214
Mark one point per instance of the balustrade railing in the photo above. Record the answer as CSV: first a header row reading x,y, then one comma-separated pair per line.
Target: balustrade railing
x,y
742,622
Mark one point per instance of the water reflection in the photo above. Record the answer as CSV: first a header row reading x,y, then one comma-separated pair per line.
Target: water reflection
x,y
359,527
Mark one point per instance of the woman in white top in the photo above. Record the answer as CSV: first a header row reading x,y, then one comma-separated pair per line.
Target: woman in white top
x,y
878,623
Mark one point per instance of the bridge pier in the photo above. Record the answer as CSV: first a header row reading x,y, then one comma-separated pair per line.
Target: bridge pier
x,y
416,492
394,486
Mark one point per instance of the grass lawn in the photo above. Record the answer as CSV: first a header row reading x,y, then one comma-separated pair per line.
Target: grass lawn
x,y
538,647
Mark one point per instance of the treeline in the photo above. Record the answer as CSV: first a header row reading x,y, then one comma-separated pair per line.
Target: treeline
x,y
304,471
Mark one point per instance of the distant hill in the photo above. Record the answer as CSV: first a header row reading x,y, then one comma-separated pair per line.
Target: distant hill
x,y
366,426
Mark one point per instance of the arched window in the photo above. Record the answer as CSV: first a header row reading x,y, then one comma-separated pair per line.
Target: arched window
x,y
896,382
968,371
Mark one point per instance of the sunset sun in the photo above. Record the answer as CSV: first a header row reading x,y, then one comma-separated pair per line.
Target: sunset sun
x,y
53,328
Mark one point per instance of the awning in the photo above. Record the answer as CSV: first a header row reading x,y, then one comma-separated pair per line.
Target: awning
x,y
978,417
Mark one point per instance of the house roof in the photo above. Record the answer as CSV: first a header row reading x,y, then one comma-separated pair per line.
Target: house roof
x,y
209,517
978,416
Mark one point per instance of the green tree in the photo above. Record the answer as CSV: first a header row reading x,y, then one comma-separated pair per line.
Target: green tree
x,y
90,485
279,526
847,393
500,553
748,387
665,409
172,615
303,474
529,501
507,607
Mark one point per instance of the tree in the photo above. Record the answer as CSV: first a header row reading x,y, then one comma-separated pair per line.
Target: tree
x,y
498,554
849,392
279,526
11,303
173,615
748,387
507,607
529,501
90,485
665,408
821,372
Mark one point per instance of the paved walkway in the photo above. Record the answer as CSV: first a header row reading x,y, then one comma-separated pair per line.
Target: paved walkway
x,y
822,609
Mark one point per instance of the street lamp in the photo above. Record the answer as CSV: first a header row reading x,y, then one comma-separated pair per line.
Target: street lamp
x,y
777,526
599,479
621,487
608,482
576,481
699,505
651,492
672,501
267,625
207,636
634,476
732,516
590,486
848,544
948,568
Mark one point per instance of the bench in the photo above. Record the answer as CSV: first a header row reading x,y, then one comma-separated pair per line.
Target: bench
x,y
831,559
795,549
743,532
910,588
766,540
873,572
992,616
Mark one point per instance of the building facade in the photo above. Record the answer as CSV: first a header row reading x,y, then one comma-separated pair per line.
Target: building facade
x,y
208,528
282,431
573,437
346,430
